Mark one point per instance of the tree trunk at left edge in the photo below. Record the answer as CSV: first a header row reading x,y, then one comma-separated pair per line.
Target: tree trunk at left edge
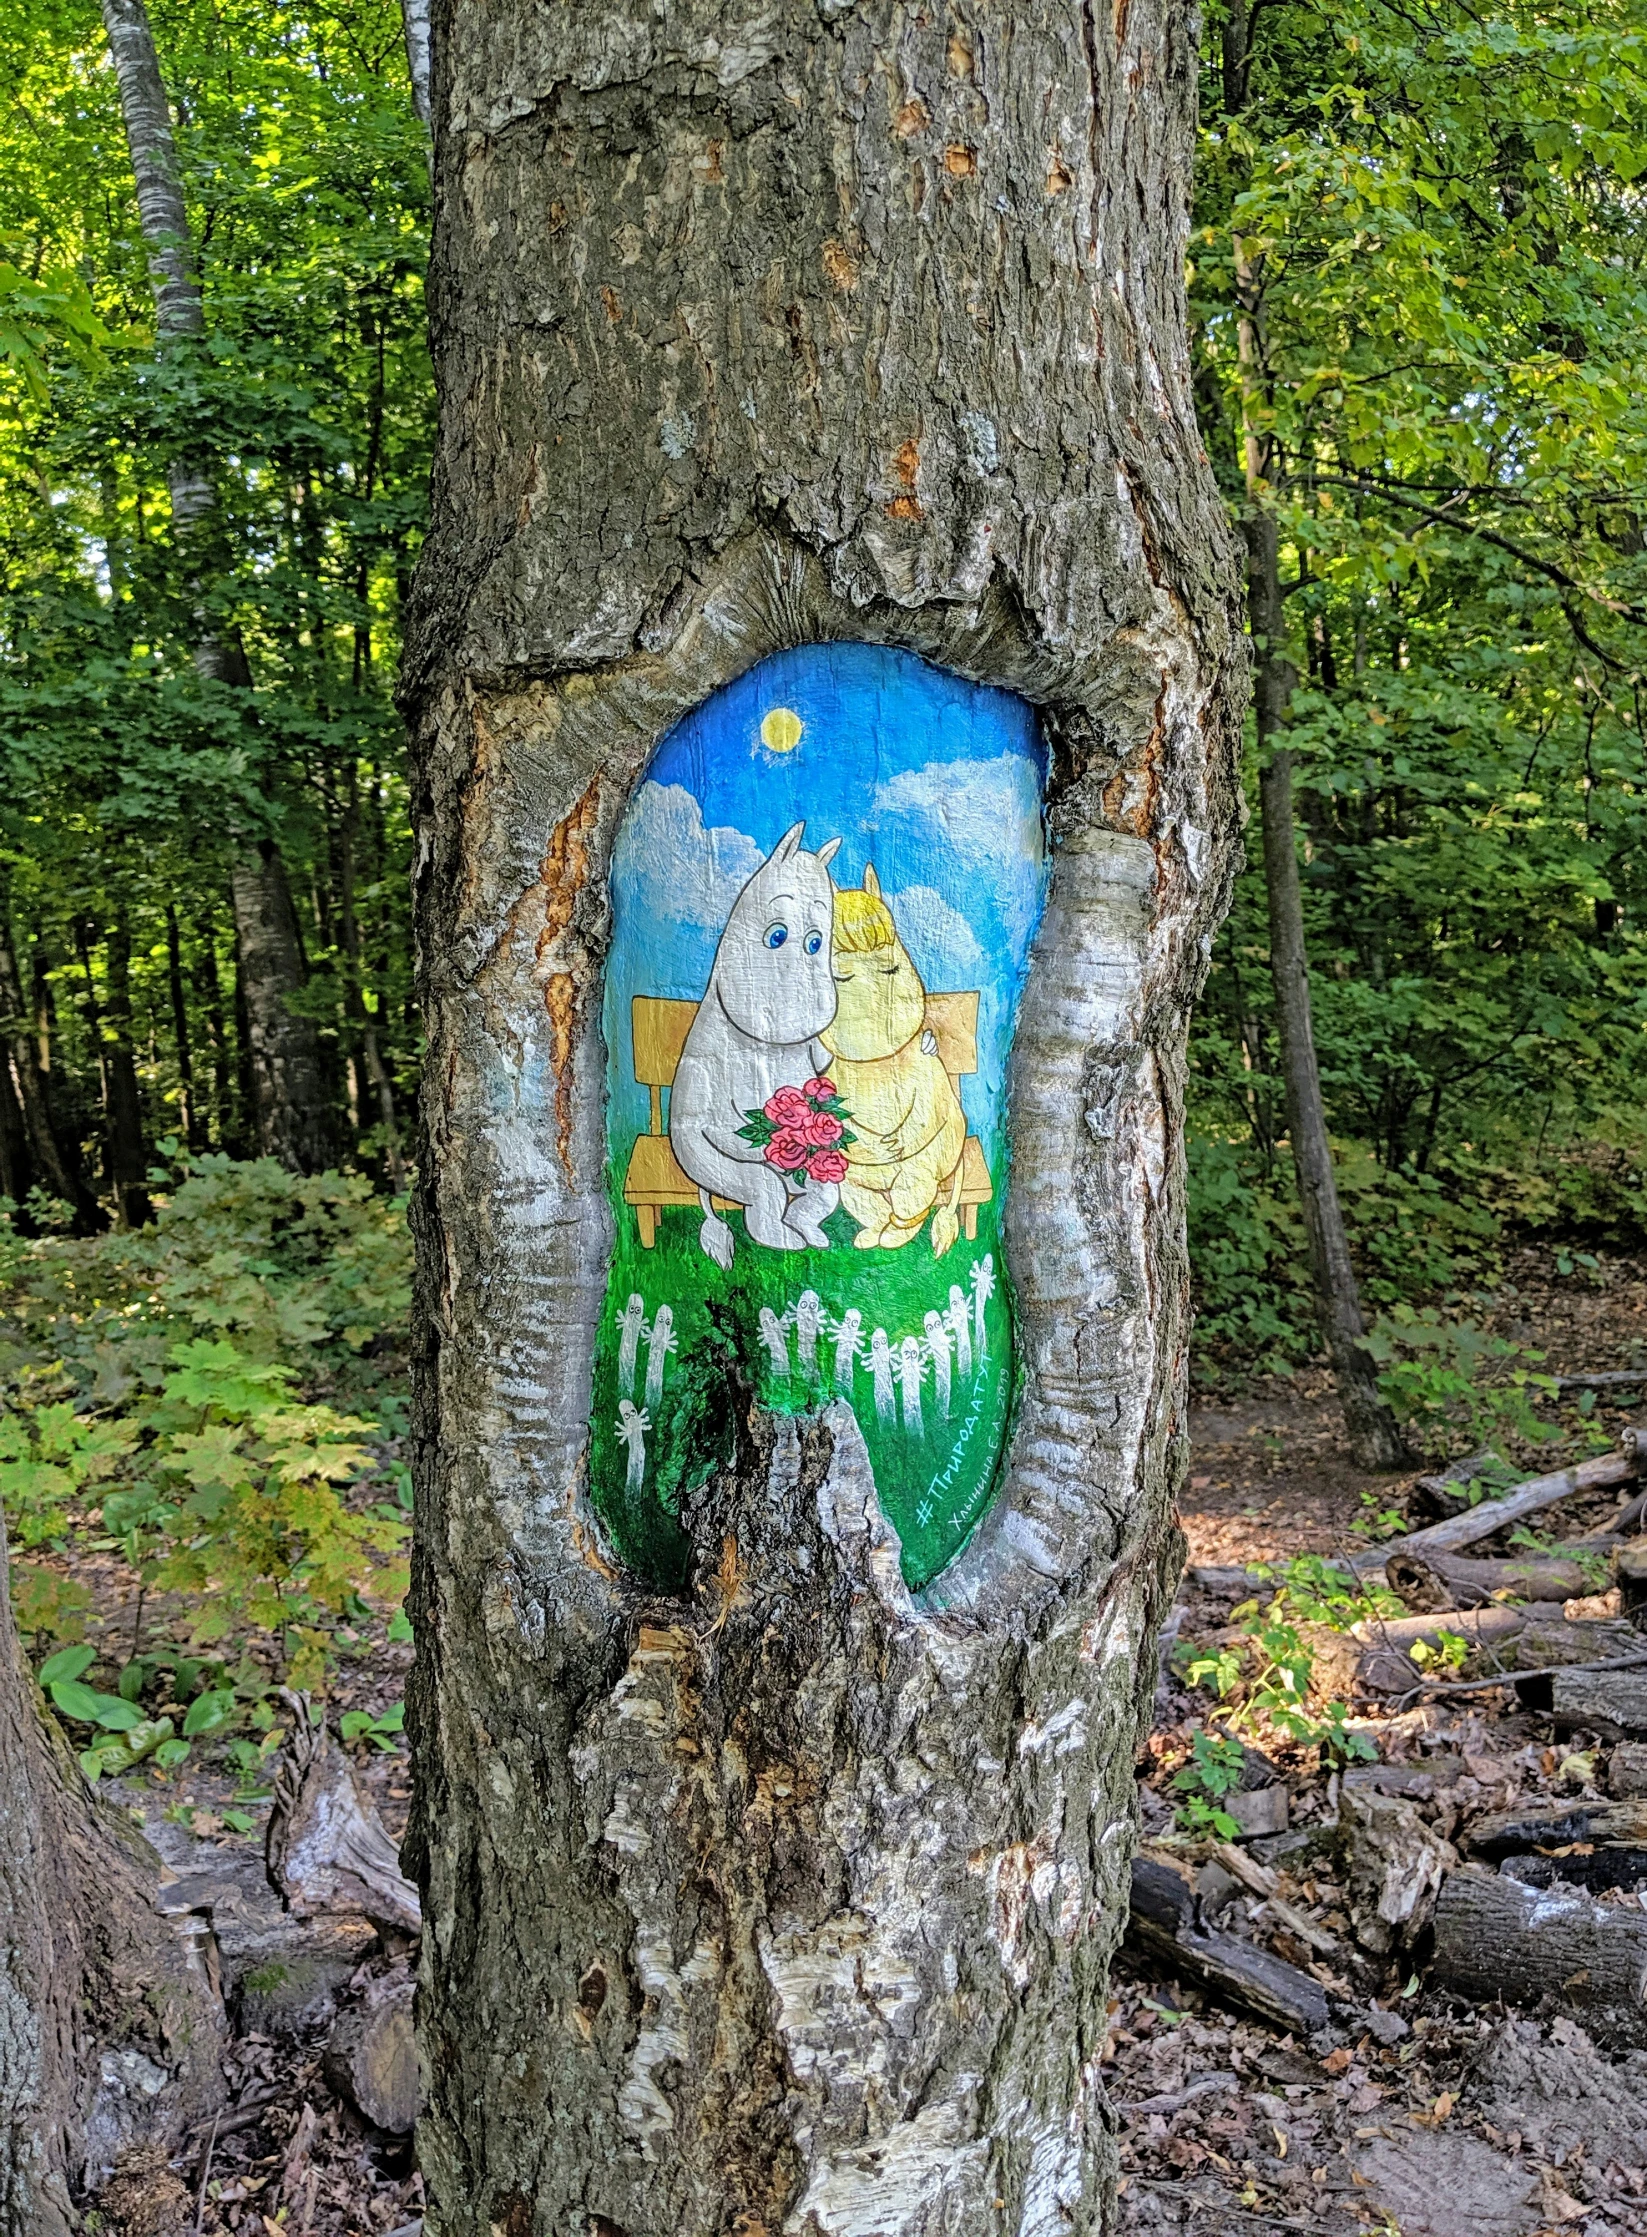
x,y
109,2029
784,1901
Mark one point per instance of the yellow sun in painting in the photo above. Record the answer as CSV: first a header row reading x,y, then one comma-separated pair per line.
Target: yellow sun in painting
x,y
781,730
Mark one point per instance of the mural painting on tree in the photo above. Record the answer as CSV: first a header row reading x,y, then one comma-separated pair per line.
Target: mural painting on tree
x,y
824,893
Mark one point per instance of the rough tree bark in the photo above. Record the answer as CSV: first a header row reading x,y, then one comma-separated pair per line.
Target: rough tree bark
x,y
292,1107
55,1164
1375,1440
109,2029
787,1904
128,1160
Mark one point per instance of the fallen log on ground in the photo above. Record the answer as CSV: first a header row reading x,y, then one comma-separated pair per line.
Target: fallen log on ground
x,y
1495,1938
1492,1515
1385,1664
1519,1641
1610,1701
1165,1927
1547,1823
1438,1580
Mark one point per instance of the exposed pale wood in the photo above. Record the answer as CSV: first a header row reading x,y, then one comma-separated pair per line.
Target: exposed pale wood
x,y
325,1844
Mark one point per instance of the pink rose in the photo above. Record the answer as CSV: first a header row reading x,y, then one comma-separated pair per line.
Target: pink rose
x,y
828,1165
787,1106
821,1131
820,1091
786,1150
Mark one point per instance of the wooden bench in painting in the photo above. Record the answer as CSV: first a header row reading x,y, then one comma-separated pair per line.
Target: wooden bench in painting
x,y
658,1030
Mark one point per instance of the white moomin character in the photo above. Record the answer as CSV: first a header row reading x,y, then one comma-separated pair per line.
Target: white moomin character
x,y
983,1289
880,1360
960,1327
631,1327
937,1350
848,1346
776,1342
911,1367
771,993
632,1428
661,1340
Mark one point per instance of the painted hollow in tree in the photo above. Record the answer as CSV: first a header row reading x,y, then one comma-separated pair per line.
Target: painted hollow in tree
x,y
824,892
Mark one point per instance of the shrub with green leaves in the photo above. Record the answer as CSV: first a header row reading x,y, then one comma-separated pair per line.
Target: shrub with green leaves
x,y
1454,1386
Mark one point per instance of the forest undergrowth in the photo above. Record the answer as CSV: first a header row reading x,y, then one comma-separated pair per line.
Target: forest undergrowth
x,y
202,1461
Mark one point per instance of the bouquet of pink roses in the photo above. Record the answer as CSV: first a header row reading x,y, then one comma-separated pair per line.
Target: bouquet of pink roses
x,y
802,1131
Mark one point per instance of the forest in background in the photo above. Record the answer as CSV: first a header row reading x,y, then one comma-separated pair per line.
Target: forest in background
x,y
1418,313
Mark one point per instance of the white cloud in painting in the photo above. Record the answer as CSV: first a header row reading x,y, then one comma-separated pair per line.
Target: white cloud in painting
x,y
985,813
676,871
943,945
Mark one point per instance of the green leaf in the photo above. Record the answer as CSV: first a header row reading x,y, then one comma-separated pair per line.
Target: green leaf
x,y
238,1821
78,1701
67,1664
209,1712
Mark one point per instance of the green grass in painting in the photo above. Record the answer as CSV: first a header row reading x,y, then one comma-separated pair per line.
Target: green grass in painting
x,y
934,1486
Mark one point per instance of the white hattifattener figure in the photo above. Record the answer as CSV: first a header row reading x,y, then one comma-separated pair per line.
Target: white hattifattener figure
x,y
983,1289
771,993
880,1361
848,1345
911,1367
776,1342
631,1327
632,1428
808,1321
661,1340
937,1350
959,1317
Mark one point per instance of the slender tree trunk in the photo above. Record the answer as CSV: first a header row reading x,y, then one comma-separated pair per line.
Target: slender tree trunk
x,y
57,1167
209,988
292,1108
361,1019
1374,1438
786,1902
290,1099
16,1171
180,1029
128,1150
109,2030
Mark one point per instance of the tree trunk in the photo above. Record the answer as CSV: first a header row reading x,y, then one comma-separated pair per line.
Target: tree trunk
x,y
110,2033
187,1110
292,1111
361,1019
209,989
785,1901
58,1169
128,1152
1375,1440
293,1108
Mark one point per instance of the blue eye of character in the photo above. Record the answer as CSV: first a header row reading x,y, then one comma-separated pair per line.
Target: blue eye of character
x,y
776,935
814,941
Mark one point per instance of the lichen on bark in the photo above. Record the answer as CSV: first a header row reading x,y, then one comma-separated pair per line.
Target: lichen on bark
x,y
786,1903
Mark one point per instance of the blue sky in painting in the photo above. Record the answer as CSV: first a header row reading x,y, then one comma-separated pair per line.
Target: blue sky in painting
x,y
935,780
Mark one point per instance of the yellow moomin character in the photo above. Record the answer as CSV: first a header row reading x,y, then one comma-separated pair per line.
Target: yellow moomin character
x,y
906,1116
